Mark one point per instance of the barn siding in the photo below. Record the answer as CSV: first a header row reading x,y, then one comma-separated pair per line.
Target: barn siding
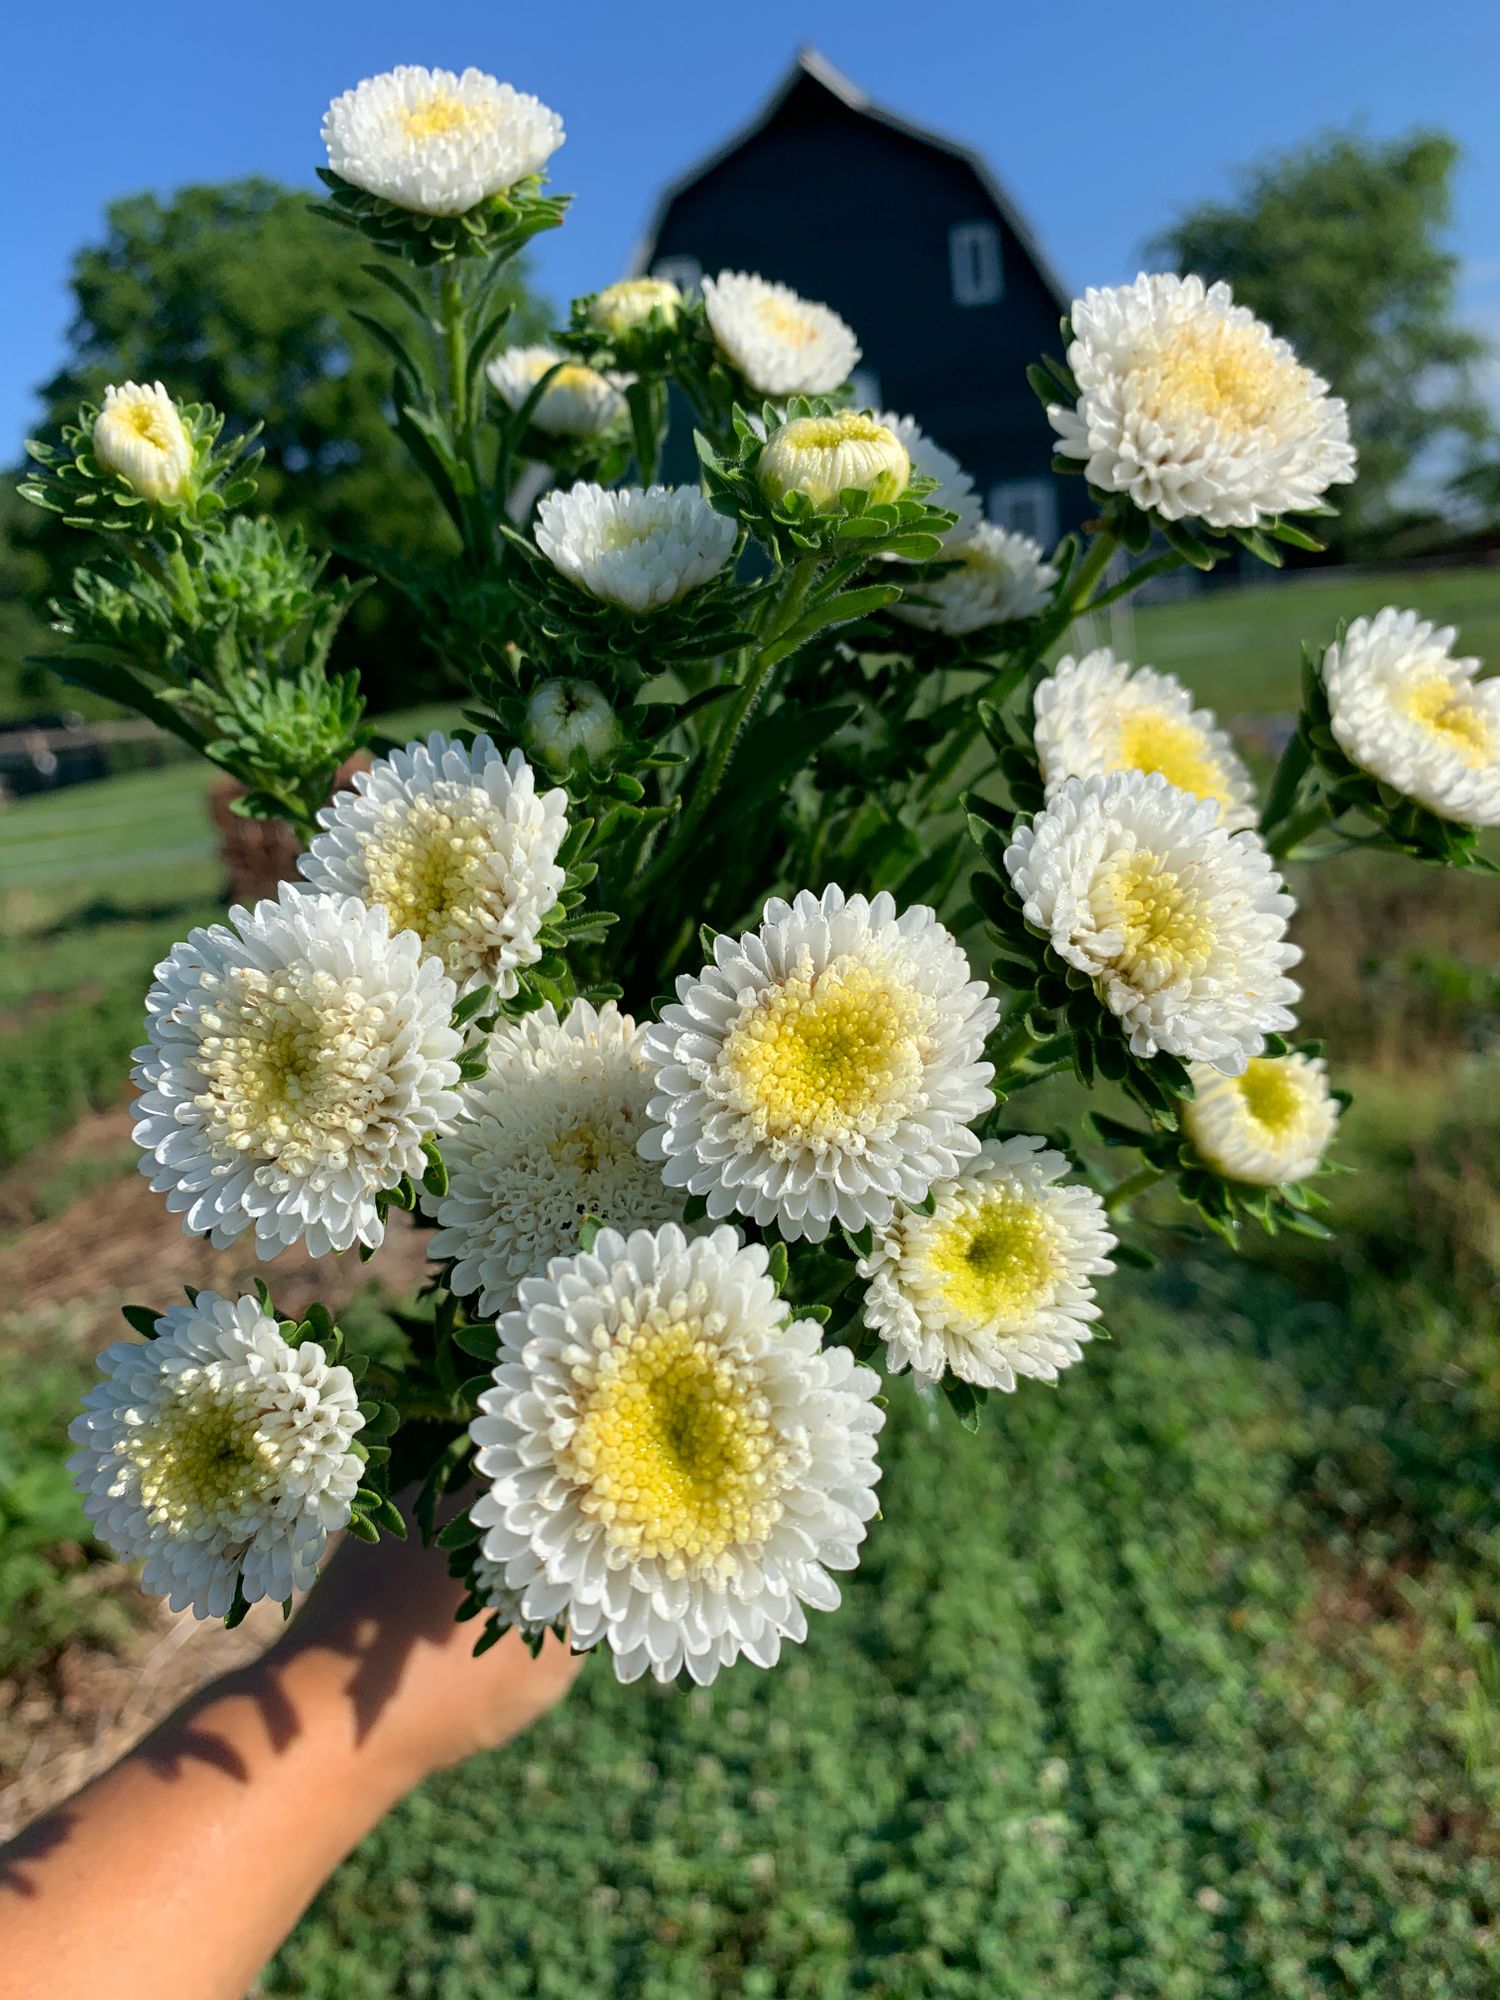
x,y
847,209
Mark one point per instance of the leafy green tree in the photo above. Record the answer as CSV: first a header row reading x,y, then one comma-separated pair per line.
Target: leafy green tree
x,y
1340,245
23,584
239,296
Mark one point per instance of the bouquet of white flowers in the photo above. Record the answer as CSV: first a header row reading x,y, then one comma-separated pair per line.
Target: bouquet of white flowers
x,y
794,766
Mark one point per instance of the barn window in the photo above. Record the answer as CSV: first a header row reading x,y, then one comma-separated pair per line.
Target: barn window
x,y
683,272
1026,507
974,263
866,386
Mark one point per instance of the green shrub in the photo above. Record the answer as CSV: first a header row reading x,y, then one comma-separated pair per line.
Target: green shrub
x,y
56,1587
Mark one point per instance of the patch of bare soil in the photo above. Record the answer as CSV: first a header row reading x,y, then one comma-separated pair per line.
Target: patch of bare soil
x,y
97,1705
117,1244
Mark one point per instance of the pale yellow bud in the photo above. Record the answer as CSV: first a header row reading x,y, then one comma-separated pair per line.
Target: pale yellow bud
x,y
824,456
139,434
626,307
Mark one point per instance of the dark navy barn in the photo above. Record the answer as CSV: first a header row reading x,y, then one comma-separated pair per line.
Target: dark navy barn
x,y
910,239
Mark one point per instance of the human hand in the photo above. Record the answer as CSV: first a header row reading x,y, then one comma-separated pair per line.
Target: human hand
x,y
378,1632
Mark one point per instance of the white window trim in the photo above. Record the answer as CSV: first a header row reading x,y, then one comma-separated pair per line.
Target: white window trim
x,y
976,271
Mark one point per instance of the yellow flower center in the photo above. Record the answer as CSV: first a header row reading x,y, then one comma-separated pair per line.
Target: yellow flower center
x,y
145,418
844,427
1165,933
997,1260
619,532
674,1451
428,864
787,322
1152,740
1272,1096
573,378
291,1065
589,1147
1214,370
200,1462
827,1058
1446,708
440,116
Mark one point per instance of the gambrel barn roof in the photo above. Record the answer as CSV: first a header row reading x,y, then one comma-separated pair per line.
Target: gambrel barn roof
x,y
910,237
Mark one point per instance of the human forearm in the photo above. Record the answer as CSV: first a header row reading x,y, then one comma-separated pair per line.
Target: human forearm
x,y
181,1870
185,1866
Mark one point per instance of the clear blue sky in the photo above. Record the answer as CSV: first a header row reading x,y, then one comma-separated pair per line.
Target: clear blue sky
x,y
1102,119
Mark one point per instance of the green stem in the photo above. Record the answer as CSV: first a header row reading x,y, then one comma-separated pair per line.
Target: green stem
x,y
645,398
783,608
1074,600
1290,771
997,688
453,323
1290,835
1087,574
1012,1049
1124,1192
455,350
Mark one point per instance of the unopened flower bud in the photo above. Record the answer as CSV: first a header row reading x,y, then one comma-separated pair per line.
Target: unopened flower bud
x,y
825,456
625,308
139,434
564,716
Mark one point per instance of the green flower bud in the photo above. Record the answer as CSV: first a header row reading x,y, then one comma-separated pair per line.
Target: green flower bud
x,y
565,716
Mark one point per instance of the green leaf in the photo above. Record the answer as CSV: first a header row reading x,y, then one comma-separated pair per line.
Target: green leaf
x,y
395,347
964,1399
772,751
142,1318
461,1532
1187,545
471,1004
481,1341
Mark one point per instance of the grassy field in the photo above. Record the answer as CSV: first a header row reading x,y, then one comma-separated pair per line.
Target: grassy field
x,y
1175,1681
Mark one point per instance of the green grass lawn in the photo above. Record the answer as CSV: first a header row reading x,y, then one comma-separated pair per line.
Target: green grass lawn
x,y
1133,1692
1239,647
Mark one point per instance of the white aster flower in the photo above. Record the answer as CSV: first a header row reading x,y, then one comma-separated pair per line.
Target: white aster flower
x,y
578,402
1192,406
1268,1127
999,576
437,143
549,1135
1408,712
626,307
218,1453
672,1465
823,1068
642,548
563,716
782,345
1180,924
822,456
996,1282
139,434
457,845
298,1058
1100,714
955,489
